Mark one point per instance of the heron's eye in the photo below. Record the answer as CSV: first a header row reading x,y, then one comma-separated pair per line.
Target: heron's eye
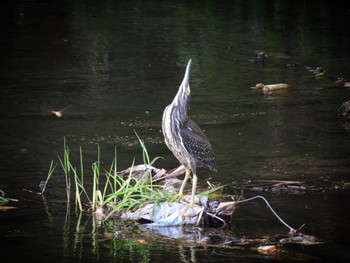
x,y
188,90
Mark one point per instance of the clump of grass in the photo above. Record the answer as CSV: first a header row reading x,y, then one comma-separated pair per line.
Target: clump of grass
x,y
133,193
213,192
116,193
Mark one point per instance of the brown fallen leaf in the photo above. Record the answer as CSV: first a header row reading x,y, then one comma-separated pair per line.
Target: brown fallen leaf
x,y
99,214
269,249
108,235
59,113
141,241
5,208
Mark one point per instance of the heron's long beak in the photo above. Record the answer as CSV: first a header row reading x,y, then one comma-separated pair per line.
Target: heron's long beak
x,y
185,81
183,94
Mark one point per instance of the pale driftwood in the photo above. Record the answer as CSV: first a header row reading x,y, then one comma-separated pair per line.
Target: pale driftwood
x,y
177,172
225,208
160,174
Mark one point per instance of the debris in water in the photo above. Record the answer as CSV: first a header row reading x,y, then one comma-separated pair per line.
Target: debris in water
x,y
269,249
6,208
99,214
59,113
272,87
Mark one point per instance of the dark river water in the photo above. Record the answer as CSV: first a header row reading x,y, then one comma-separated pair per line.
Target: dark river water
x,y
115,65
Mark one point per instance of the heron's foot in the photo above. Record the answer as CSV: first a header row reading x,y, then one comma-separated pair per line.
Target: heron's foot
x,y
190,200
177,197
188,210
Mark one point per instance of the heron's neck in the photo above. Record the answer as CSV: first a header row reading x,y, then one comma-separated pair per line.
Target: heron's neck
x,y
181,107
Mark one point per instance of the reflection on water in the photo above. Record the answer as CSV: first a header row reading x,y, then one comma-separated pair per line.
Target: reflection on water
x,y
119,64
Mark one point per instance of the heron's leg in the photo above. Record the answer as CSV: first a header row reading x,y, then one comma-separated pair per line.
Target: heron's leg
x,y
189,209
194,186
182,188
180,194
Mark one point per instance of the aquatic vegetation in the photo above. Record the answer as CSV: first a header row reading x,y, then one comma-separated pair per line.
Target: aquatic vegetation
x,y
43,184
110,189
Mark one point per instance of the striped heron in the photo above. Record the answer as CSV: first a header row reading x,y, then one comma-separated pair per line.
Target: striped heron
x,y
184,137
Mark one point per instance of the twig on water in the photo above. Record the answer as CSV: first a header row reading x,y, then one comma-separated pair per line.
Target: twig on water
x,y
292,231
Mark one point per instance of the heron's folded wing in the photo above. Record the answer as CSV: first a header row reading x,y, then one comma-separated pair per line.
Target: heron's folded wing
x,y
197,144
